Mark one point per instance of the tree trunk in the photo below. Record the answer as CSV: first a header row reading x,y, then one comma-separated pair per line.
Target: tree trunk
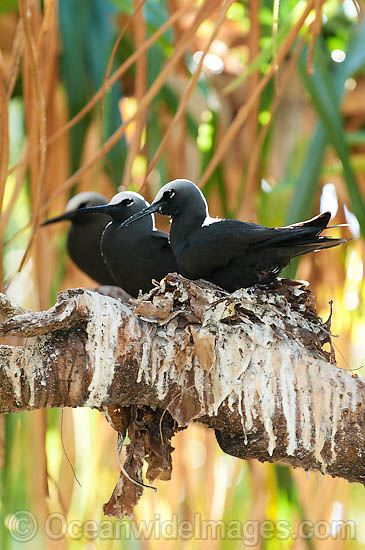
x,y
250,365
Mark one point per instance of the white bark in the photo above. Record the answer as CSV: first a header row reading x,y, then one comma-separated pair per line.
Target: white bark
x,y
250,365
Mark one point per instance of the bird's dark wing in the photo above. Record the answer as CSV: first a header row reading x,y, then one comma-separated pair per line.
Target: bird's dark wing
x,y
216,245
212,246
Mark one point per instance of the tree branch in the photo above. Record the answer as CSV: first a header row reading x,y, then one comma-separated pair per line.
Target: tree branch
x,y
250,364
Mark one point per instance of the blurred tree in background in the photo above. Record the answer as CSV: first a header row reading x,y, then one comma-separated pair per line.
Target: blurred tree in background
x,y
262,104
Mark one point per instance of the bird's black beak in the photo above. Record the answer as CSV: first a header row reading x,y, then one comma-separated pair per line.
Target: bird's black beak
x,y
155,207
101,209
66,216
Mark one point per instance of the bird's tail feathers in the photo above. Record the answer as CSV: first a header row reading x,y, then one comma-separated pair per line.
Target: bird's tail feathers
x,y
320,221
304,234
338,225
314,246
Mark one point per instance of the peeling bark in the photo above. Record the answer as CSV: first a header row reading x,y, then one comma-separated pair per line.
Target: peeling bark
x,y
250,364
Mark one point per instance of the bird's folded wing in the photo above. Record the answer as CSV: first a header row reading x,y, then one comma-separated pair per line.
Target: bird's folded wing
x,y
215,245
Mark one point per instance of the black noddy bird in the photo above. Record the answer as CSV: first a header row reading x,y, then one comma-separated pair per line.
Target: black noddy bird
x,y
230,253
83,240
138,254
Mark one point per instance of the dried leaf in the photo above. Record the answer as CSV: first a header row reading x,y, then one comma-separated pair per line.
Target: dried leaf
x,y
160,307
204,346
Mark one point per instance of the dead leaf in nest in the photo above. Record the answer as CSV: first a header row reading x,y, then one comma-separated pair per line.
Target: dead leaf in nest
x,y
183,350
160,307
126,493
157,469
198,304
199,294
157,427
146,444
185,406
118,417
204,347
297,295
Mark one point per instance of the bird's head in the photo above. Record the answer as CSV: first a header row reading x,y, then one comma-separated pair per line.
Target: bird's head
x,y
85,199
172,199
75,206
121,207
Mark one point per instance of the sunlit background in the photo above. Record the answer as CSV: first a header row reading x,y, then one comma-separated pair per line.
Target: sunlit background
x,y
262,103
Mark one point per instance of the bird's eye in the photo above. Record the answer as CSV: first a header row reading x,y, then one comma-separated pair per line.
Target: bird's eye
x,y
83,204
127,202
169,194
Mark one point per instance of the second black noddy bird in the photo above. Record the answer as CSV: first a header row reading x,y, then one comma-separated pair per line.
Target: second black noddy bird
x,y
139,254
230,253
83,240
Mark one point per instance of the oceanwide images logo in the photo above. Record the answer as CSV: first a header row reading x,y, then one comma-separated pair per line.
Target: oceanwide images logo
x,y
23,526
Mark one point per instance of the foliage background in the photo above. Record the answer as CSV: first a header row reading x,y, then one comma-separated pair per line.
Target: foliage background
x,y
108,94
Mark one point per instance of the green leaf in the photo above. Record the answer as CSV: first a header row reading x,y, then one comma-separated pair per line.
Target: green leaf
x,y
301,206
327,91
155,16
125,6
305,188
326,101
8,5
87,44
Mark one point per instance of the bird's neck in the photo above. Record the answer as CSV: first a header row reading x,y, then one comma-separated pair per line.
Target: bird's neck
x,y
183,224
